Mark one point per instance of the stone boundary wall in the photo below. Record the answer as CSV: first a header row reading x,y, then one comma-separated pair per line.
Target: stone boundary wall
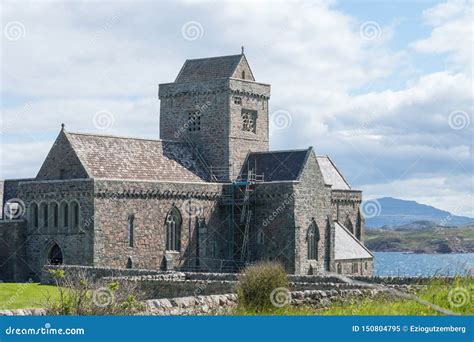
x,y
224,303
96,273
23,312
164,288
145,274
318,278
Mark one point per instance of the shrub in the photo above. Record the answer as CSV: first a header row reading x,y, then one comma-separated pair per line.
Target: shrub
x,y
79,295
258,284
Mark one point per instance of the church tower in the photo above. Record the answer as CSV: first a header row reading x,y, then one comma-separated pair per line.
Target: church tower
x,y
216,105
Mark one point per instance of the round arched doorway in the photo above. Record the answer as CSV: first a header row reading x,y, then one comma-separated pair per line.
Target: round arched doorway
x,y
55,255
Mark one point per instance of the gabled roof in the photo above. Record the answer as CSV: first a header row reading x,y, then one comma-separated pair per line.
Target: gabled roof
x,y
112,157
276,165
204,69
331,174
347,246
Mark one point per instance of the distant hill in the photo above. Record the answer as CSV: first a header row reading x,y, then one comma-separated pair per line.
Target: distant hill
x,y
395,212
421,240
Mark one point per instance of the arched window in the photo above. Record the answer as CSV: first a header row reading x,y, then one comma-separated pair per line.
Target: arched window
x,y
260,237
339,268
54,209
131,223
34,215
44,215
349,225
75,214
55,255
243,75
129,263
64,212
313,241
173,230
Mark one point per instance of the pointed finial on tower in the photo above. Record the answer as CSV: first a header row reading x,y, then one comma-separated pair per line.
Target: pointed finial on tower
x,y
62,126
242,49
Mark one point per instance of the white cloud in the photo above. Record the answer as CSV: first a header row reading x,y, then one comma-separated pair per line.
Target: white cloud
x,y
80,58
452,33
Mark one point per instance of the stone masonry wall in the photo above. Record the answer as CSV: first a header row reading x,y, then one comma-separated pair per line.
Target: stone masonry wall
x,y
273,217
355,267
345,209
13,264
76,243
312,200
210,100
220,138
61,162
242,142
150,204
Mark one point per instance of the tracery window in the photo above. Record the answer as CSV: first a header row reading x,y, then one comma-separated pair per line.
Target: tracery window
x,y
173,230
249,118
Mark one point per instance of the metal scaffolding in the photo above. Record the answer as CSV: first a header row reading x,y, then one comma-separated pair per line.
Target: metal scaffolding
x,y
240,205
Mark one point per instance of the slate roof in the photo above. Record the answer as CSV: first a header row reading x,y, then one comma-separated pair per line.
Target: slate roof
x,y
276,165
204,69
112,157
347,246
331,174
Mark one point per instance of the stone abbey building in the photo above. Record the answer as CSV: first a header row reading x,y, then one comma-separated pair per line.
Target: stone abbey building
x,y
207,196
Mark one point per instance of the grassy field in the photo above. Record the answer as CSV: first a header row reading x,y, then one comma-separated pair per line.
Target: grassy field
x,y
456,297
25,295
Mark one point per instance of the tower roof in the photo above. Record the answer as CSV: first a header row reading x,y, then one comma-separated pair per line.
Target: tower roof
x,y
203,69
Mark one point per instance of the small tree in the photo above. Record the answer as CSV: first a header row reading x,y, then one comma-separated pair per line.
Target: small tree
x,y
79,295
263,287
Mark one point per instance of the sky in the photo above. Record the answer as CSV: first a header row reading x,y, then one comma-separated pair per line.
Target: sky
x,y
383,87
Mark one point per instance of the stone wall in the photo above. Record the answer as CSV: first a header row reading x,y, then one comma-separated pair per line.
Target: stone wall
x,y
312,202
241,142
273,208
62,162
220,138
211,103
150,287
76,243
355,267
150,204
96,273
346,210
13,262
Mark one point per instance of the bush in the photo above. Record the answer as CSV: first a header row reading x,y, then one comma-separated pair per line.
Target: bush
x,y
263,287
79,295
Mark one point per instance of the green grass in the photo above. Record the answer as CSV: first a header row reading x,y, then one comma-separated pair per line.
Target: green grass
x,y
25,295
437,292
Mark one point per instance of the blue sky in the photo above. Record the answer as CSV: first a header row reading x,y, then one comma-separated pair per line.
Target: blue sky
x,y
384,87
